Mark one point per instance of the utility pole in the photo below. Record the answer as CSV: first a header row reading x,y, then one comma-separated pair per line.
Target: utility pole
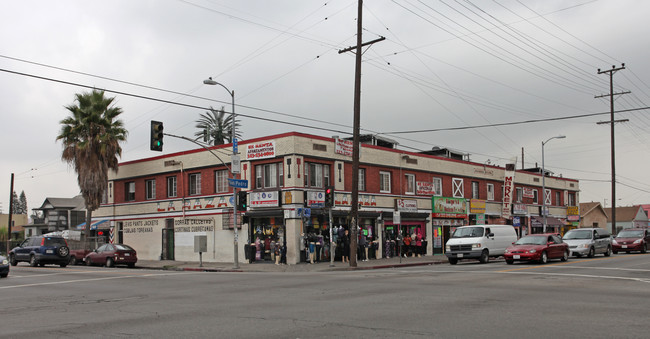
x,y
354,212
11,210
611,122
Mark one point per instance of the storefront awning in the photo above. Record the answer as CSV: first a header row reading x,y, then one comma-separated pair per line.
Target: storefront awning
x,y
538,221
101,224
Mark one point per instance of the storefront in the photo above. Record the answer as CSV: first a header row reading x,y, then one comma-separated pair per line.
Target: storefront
x,y
447,214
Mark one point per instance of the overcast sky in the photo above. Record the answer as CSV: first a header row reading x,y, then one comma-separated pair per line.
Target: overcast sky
x,y
444,65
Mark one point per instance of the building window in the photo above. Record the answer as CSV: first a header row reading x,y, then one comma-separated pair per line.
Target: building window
x,y
150,189
129,191
474,189
317,175
490,191
269,175
458,188
558,202
520,194
362,179
384,182
535,197
195,184
171,187
410,183
437,187
221,181
572,199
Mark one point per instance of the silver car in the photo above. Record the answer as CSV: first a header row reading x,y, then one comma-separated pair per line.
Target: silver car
x,y
589,242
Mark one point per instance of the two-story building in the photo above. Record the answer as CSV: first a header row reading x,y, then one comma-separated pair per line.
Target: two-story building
x,y
160,204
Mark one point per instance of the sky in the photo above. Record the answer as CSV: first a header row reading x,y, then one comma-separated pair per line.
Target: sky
x,y
493,79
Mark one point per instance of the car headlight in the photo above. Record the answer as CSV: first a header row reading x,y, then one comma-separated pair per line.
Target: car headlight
x,y
476,245
507,250
638,241
614,241
5,262
532,251
447,248
584,245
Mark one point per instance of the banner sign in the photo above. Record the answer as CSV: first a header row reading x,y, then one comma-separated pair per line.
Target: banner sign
x,y
265,199
508,190
449,208
519,209
260,150
342,146
477,206
406,205
315,199
528,192
424,188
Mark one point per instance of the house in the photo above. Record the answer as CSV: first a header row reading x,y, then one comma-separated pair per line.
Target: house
x,y
592,214
58,214
627,217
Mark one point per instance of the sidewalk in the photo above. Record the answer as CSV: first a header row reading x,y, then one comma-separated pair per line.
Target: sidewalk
x,y
302,267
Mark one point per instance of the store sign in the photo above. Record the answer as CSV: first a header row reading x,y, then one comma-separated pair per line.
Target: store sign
x,y
260,150
424,188
508,190
265,199
406,205
477,206
573,210
519,209
316,199
342,146
528,192
449,208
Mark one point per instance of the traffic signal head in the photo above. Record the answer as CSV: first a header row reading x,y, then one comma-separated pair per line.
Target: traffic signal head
x,y
242,203
329,196
156,143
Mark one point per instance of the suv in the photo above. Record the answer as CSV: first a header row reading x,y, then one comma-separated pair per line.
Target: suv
x,y
41,250
589,242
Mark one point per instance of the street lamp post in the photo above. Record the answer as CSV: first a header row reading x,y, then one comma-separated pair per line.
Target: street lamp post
x,y
233,169
544,180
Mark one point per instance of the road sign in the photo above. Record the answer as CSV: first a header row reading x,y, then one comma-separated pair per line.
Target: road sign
x,y
239,183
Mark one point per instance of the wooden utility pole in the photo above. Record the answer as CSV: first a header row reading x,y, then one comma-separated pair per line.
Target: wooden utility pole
x,y
354,212
11,211
612,122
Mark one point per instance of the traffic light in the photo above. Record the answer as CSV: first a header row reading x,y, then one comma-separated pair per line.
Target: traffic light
x,y
156,143
329,196
242,202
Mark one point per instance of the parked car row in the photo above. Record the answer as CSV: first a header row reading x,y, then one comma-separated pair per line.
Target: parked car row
x,y
53,249
485,241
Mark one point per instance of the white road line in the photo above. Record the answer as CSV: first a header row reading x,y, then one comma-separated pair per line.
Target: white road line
x,y
90,279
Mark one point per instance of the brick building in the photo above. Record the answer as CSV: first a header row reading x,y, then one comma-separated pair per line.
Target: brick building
x,y
159,204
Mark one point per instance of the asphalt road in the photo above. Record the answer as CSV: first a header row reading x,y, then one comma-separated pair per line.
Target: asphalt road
x,y
596,298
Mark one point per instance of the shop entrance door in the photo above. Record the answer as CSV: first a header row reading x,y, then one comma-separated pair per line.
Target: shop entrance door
x,y
168,240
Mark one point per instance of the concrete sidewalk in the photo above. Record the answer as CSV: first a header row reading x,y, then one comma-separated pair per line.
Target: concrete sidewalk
x,y
302,267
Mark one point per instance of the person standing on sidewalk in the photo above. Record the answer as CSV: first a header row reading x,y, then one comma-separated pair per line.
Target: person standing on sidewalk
x,y
418,244
345,249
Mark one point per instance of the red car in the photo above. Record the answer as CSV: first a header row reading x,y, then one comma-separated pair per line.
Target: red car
x,y
631,239
111,255
537,247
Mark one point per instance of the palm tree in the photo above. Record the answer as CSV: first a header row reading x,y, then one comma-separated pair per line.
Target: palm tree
x,y
91,136
218,127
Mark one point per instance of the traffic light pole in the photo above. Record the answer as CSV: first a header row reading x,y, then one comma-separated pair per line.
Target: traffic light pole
x,y
332,250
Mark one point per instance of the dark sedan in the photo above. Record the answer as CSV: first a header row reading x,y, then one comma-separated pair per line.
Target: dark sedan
x,y
537,247
111,255
4,267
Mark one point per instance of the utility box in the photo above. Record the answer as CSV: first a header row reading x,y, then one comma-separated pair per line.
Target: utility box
x,y
200,243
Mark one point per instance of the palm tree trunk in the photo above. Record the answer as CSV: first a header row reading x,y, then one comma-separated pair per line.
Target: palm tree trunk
x,y
89,215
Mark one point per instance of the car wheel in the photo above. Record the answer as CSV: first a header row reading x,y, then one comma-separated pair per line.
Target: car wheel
x,y
544,258
12,260
485,257
73,260
109,262
565,257
32,261
510,261
644,249
63,251
63,264
591,252
88,262
608,252
453,261
4,275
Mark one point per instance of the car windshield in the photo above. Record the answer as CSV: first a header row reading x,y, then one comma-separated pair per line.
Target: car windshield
x,y
51,241
468,232
585,234
123,247
630,234
531,240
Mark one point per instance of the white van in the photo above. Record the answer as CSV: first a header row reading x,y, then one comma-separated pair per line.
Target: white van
x,y
479,242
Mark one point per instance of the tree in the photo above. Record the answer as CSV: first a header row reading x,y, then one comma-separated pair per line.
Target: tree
x,y
218,126
91,138
15,208
23,202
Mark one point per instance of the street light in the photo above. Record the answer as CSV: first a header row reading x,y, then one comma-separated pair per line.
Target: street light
x,y
233,169
544,179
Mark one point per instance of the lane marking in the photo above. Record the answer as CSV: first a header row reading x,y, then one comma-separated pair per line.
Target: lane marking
x,y
90,279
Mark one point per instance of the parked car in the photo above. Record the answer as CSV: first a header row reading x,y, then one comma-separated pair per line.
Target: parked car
x,y
111,255
537,247
631,239
41,250
589,242
4,267
77,256
479,242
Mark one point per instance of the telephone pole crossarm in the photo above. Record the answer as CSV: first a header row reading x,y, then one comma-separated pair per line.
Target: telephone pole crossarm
x,y
362,45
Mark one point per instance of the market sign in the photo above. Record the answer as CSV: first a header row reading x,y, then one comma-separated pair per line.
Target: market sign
x,y
260,150
449,208
508,189
406,205
424,188
477,206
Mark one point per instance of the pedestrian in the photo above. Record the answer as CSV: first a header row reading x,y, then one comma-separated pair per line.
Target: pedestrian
x,y
407,246
362,247
345,250
418,244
